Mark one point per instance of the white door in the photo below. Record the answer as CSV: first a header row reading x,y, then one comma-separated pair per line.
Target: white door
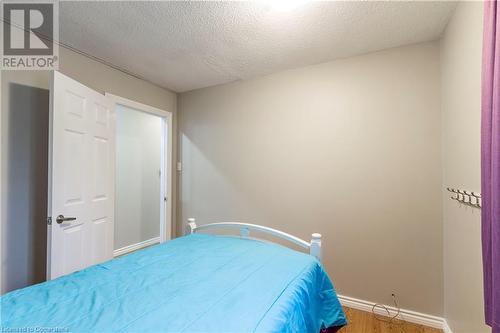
x,y
81,177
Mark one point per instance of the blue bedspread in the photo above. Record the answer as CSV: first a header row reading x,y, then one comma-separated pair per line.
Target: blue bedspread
x,y
197,283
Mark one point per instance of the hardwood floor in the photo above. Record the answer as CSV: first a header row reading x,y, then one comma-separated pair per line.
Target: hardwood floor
x,y
365,322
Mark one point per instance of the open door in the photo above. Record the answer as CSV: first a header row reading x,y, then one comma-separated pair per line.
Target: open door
x,y
81,177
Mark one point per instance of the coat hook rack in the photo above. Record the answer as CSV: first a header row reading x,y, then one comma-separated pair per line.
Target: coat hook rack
x,y
469,198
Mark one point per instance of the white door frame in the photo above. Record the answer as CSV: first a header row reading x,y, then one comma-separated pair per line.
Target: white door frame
x,y
166,162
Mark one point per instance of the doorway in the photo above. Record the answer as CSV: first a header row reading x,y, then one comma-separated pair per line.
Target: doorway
x,y
142,215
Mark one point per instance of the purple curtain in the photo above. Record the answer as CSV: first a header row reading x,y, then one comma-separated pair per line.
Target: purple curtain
x,y
490,163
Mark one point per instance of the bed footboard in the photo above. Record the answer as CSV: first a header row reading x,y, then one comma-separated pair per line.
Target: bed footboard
x,y
314,246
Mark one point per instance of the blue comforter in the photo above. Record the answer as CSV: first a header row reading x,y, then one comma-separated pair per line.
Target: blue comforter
x,y
197,283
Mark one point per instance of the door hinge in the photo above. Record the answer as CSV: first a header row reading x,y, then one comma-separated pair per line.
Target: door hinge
x,y
49,220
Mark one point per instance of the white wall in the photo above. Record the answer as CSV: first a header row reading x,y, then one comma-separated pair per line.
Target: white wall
x,y
349,148
138,163
461,49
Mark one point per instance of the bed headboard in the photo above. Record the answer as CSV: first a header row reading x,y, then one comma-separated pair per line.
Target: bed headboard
x,y
314,246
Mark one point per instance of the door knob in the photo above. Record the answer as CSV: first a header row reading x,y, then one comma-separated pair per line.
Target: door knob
x,y
60,219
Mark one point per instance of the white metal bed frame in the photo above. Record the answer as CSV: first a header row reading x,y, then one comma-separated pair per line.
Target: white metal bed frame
x,y
314,246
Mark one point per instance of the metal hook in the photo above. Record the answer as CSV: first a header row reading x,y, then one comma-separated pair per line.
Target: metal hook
x,y
468,198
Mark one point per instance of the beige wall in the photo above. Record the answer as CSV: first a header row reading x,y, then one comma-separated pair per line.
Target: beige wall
x,y
461,107
24,135
349,148
20,258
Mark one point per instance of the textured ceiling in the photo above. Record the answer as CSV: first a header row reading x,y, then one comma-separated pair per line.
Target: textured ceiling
x,y
188,45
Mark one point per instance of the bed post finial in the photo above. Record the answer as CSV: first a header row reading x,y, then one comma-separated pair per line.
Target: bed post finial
x,y
315,249
191,227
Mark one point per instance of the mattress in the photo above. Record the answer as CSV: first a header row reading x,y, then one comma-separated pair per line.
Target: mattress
x,y
196,283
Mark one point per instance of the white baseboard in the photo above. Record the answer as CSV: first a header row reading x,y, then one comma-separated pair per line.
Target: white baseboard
x,y
135,247
446,328
407,315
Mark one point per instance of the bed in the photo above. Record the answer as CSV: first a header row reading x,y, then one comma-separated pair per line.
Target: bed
x,y
196,283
